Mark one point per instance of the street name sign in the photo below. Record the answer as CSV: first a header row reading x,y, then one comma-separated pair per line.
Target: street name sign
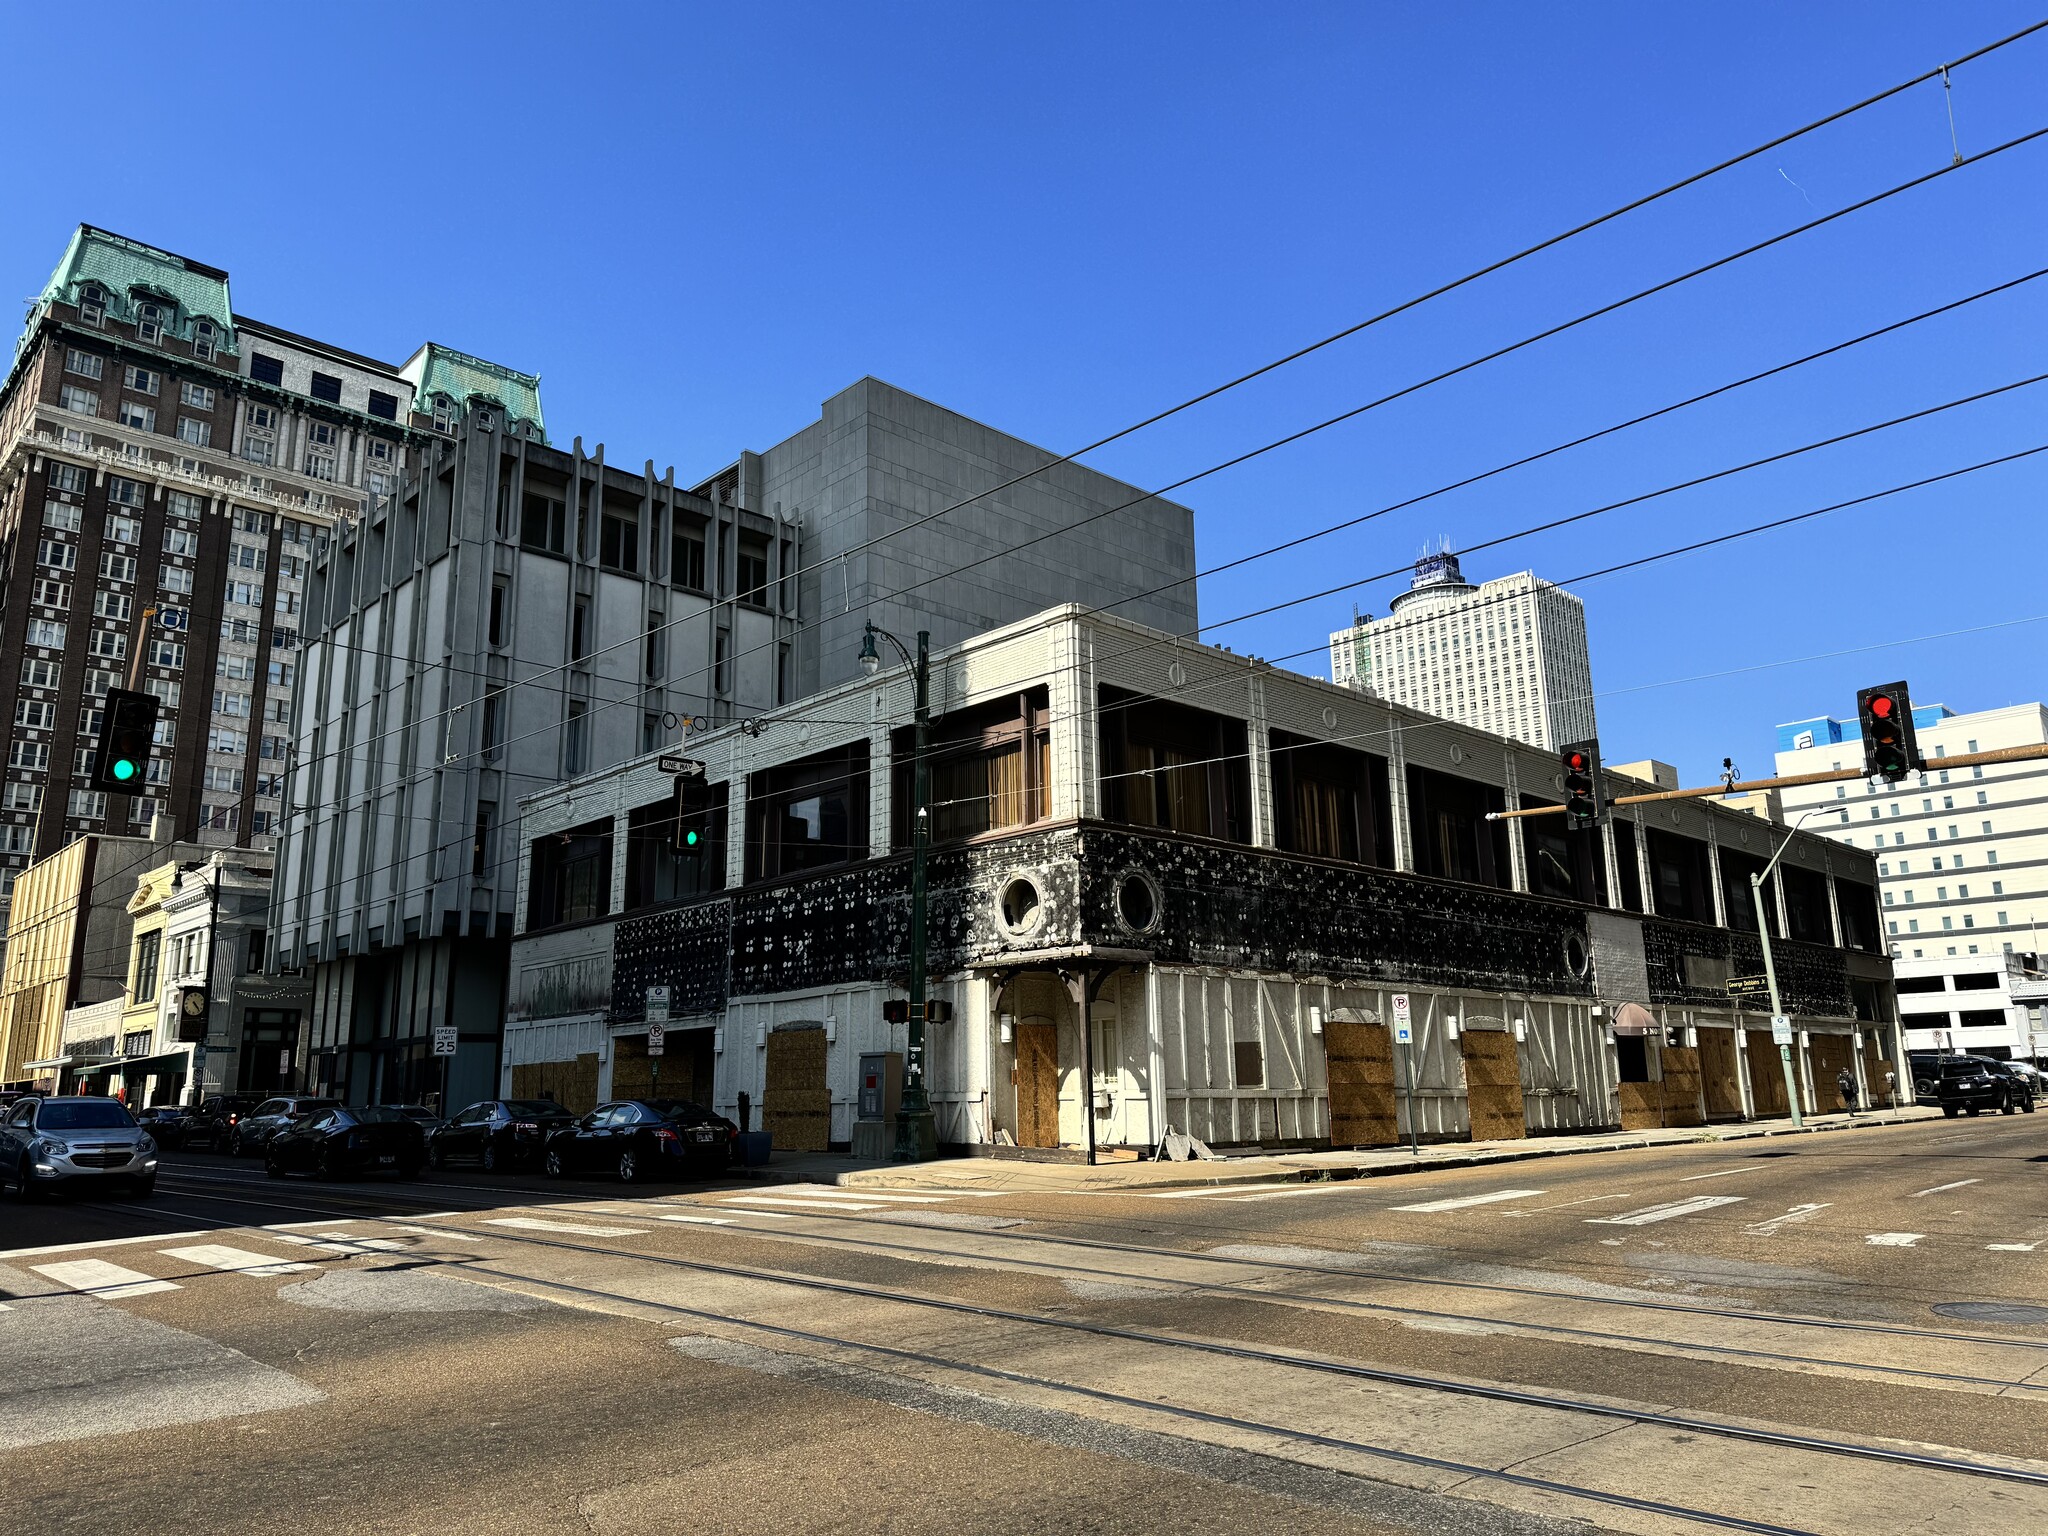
x,y
1748,986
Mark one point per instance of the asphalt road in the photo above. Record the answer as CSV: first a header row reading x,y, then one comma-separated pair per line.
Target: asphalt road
x,y
1841,1333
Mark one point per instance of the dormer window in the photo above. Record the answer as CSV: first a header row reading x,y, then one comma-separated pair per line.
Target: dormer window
x,y
202,339
444,414
149,322
92,305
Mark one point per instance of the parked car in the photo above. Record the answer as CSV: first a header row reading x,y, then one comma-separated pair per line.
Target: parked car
x,y
419,1115
252,1133
333,1141
74,1142
1975,1084
2024,1084
166,1123
644,1139
500,1134
214,1122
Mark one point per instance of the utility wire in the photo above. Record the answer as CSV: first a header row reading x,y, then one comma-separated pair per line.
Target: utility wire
x,y
1387,314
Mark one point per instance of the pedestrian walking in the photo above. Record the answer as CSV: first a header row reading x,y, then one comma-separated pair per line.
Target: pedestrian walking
x,y
1845,1084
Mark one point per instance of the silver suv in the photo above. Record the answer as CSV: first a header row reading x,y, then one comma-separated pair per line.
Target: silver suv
x,y
70,1143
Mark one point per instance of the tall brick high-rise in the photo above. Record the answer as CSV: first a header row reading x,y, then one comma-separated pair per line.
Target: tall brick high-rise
x,y
159,451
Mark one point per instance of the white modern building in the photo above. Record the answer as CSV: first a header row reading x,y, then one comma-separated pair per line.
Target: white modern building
x,y
1507,656
1962,863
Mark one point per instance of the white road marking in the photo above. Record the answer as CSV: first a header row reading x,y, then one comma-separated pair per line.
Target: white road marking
x,y
2010,1247
298,1226
1959,1183
102,1242
1793,1217
1461,1202
835,1192
1666,1212
1205,1192
441,1232
342,1242
1693,1178
96,1277
1893,1239
802,1205
702,1221
1589,1200
232,1260
1288,1194
535,1224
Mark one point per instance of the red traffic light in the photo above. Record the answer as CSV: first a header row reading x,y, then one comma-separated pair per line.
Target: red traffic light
x,y
1576,761
1881,706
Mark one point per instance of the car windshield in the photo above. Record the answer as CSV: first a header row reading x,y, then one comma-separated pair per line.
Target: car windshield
x,y
96,1116
532,1109
682,1111
379,1114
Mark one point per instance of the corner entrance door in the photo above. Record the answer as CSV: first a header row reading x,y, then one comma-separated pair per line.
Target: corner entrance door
x,y
1038,1083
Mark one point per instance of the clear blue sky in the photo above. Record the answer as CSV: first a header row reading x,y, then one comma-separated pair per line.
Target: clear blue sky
x,y
696,222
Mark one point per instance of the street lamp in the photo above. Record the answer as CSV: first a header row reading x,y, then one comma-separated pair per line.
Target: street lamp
x,y
916,1135
1763,931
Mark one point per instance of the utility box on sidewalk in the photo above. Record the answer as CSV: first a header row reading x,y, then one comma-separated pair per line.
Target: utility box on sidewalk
x,y
878,1095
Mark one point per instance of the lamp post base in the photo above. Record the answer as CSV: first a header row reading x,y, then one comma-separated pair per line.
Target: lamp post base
x,y
917,1135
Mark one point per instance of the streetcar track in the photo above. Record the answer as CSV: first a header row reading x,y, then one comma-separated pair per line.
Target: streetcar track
x,y
1897,1330
1488,1391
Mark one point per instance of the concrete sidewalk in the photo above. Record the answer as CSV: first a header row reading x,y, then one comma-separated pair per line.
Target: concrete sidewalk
x,y
1002,1174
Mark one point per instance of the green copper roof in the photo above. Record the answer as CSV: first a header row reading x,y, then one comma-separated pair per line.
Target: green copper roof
x,y
122,266
438,370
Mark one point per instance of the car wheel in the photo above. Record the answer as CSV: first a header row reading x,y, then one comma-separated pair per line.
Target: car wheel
x,y
554,1164
326,1165
436,1157
235,1145
2007,1107
1975,1110
144,1188
2027,1104
24,1186
492,1162
270,1167
1951,1110
629,1167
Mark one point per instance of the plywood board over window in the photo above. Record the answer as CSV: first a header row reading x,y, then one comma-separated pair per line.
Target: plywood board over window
x,y
1720,1083
1359,1061
1493,1085
796,1104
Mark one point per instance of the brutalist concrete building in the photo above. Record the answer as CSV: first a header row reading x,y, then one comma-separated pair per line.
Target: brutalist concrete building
x,y
1173,887
521,614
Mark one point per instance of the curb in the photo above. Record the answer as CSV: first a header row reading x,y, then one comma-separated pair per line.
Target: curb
x,y
1532,1151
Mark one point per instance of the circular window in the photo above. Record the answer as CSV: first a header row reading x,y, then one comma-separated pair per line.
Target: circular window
x,y
1577,958
1329,719
1177,674
1019,906
1137,902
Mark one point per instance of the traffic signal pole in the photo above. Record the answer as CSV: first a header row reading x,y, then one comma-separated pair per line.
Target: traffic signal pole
x,y
2031,753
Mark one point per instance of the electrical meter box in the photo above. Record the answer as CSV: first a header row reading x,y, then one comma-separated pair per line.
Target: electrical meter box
x,y
881,1085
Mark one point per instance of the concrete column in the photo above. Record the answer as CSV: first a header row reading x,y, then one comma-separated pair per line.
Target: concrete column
x,y
1258,742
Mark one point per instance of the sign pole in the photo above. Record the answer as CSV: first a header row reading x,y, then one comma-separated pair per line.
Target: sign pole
x,y
1404,1036
1778,1019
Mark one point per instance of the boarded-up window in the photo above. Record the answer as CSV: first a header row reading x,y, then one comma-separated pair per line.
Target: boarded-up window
x,y
1251,1064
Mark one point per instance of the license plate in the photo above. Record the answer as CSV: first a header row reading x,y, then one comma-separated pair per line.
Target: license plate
x,y
705,1135
391,1159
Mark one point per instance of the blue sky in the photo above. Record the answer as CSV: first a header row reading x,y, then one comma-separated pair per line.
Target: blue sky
x,y
697,222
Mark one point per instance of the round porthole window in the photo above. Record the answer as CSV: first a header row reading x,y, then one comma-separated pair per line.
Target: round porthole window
x,y
1177,674
1329,719
1578,959
1020,906
1138,903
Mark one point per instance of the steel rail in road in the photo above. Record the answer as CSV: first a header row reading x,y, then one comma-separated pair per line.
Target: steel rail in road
x,y
1486,1391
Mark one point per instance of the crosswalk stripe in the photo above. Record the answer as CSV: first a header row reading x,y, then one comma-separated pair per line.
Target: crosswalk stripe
x,y
876,1194
2010,1247
1793,1217
1893,1239
341,1242
440,1232
232,1260
96,1277
802,1205
1655,1213
1463,1201
535,1224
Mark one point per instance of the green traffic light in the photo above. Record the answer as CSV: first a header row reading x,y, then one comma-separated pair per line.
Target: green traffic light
x,y
690,839
124,769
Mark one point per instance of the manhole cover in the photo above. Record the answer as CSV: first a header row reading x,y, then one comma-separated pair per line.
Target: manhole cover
x,y
1992,1311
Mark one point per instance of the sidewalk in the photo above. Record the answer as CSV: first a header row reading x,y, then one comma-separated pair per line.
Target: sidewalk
x,y
994,1174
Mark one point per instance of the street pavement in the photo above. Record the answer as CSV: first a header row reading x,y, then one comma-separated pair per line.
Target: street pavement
x,y
1834,1333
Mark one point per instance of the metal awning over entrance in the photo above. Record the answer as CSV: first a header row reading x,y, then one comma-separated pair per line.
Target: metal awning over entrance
x,y
161,1061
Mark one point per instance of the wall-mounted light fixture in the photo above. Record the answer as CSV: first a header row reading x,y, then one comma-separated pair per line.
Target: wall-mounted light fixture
x,y
1521,1029
1006,1028
1451,1026
1315,1019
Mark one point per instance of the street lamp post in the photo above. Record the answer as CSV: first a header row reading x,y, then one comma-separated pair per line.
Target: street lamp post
x,y
1763,933
916,1134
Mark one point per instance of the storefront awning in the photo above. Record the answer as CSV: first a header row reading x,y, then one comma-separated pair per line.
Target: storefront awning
x,y
59,1063
162,1061
1635,1019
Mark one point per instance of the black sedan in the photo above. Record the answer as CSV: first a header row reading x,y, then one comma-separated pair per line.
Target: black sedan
x,y
500,1134
335,1142
641,1139
167,1123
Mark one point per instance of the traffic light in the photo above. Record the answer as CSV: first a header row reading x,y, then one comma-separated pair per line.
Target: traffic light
x,y
1583,806
1890,750
120,763
692,818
